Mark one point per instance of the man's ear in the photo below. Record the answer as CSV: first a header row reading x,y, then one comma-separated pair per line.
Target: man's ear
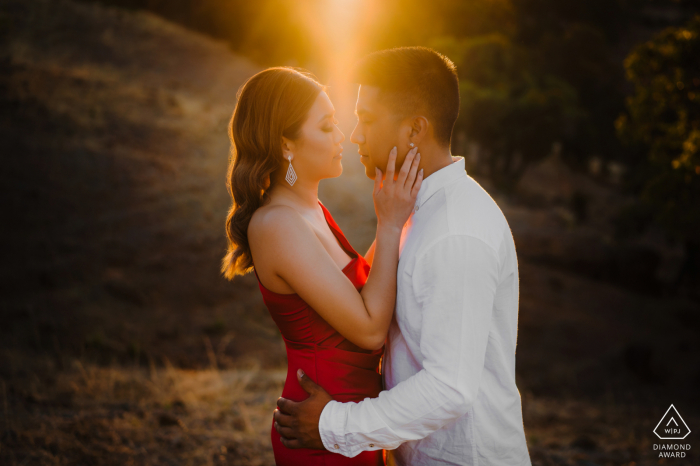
x,y
419,130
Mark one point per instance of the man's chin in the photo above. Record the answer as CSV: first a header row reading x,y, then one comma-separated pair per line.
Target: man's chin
x,y
369,168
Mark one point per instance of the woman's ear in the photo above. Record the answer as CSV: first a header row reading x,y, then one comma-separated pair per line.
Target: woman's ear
x,y
287,148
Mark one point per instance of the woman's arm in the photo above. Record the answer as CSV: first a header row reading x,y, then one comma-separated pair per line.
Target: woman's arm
x,y
363,318
369,256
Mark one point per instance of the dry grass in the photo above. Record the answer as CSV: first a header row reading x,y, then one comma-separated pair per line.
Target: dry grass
x,y
118,415
88,414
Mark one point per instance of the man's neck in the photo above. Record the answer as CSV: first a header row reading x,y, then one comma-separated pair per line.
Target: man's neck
x,y
433,158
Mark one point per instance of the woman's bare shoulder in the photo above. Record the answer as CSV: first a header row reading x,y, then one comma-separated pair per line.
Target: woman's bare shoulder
x,y
281,236
272,221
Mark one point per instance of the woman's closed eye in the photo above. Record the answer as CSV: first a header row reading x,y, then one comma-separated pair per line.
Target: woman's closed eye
x,y
328,129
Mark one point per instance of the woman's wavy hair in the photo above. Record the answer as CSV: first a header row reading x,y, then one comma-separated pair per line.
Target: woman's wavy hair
x,y
273,103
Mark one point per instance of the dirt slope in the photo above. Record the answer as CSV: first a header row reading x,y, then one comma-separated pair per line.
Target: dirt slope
x,y
114,127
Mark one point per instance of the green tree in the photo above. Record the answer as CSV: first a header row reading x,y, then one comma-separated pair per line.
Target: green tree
x,y
662,122
511,110
532,71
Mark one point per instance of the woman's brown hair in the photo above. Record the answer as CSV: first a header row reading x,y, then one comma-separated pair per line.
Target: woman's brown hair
x,y
271,104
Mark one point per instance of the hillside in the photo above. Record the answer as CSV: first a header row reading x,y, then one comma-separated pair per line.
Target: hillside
x,y
116,123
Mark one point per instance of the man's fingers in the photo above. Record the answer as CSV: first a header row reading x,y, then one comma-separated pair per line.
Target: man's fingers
x,y
290,443
306,383
282,419
288,406
391,166
285,432
403,173
411,178
417,183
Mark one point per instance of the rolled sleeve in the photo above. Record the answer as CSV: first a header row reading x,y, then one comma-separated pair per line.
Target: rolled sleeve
x,y
454,282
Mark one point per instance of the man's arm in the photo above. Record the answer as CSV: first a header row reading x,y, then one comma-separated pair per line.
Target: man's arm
x,y
455,283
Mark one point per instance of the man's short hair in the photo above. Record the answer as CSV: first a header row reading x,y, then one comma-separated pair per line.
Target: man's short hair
x,y
414,79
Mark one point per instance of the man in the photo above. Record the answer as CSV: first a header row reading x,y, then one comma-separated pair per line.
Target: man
x,y
449,368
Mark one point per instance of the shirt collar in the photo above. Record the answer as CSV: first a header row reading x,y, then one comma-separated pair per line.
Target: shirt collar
x,y
440,179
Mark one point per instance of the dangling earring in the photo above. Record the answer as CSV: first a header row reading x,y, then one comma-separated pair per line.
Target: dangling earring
x,y
291,174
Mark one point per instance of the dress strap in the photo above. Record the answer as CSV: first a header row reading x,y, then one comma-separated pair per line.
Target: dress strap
x,y
338,232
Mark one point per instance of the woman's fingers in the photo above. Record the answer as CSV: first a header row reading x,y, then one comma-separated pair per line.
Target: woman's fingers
x,y
416,184
377,180
411,178
391,166
403,173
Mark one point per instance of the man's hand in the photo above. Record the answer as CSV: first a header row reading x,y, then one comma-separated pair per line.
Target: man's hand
x,y
297,422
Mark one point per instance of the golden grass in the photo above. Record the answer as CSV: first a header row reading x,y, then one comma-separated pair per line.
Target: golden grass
x,y
135,415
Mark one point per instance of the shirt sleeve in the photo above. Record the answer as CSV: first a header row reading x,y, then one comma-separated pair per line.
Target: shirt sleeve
x,y
455,284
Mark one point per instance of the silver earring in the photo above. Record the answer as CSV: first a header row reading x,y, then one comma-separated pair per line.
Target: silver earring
x,y
411,144
291,174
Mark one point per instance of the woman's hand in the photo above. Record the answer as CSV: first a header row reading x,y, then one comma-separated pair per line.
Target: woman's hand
x,y
394,199
364,317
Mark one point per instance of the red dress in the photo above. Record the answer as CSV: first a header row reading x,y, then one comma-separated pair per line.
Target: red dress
x,y
346,371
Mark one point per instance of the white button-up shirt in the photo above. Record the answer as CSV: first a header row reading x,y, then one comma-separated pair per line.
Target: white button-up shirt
x,y
449,365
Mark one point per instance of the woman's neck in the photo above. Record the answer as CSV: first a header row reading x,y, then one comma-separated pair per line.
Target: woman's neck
x,y
303,194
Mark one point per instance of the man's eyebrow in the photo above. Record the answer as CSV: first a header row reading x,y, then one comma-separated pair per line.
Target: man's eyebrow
x,y
361,111
327,115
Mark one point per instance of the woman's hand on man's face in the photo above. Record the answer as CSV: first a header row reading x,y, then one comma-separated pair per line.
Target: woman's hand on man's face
x,y
394,199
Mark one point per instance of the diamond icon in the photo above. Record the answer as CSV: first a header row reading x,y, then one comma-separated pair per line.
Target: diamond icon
x,y
671,426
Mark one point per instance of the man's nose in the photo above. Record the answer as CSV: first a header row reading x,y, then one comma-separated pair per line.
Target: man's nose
x,y
357,137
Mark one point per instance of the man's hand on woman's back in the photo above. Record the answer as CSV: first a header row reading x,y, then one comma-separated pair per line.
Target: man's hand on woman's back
x,y
297,422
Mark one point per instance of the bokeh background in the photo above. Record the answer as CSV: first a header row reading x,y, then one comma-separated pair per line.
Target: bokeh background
x,y
120,342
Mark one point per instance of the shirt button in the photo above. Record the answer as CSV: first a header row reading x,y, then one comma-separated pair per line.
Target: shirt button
x,y
417,206
336,446
371,444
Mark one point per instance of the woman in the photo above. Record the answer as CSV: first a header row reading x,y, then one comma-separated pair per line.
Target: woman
x,y
333,313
